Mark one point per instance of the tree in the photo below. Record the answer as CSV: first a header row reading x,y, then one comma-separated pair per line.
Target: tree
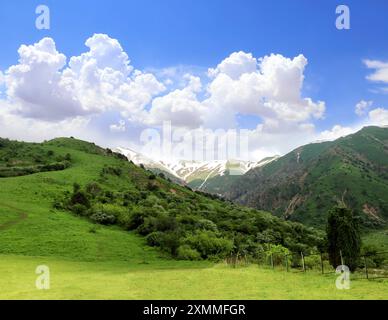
x,y
343,236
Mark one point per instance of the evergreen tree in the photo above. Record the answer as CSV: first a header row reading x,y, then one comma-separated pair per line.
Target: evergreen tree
x,y
343,235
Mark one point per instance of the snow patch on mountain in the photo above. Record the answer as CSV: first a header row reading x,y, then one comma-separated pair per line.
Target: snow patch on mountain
x,y
195,170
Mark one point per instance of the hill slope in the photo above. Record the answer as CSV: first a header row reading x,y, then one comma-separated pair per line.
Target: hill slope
x,y
304,184
97,207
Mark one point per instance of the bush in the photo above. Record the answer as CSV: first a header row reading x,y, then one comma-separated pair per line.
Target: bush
x,y
313,262
103,218
208,244
373,259
155,239
186,253
205,224
114,171
80,197
79,209
279,253
152,186
171,242
93,189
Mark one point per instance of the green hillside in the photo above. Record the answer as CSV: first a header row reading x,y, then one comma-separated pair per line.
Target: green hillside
x,y
40,224
305,183
59,211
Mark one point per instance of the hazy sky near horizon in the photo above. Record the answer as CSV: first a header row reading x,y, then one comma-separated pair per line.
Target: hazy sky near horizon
x,y
107,70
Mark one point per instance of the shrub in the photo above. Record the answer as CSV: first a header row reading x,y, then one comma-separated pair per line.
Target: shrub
x,y
186,253
313,262
93,189
155,239
80,197
115,171
103,218
206,225
171,242
136,219
278,254
152,186
209,244
79,209
373,259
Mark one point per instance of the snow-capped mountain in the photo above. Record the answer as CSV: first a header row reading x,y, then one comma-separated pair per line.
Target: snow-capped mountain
x,y
188,171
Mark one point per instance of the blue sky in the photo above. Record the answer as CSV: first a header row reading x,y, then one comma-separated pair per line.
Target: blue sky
x,y
199,34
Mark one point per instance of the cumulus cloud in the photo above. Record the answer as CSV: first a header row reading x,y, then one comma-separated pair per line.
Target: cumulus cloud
x,y
235,65
43,86
180,106
362,107
270,89
47,91
379,117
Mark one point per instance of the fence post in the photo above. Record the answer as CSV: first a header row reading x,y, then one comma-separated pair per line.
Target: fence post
x,y
272,265
366,268
322,264
303,264
286,256
342,259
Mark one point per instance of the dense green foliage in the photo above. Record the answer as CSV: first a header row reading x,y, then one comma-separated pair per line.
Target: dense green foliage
x,y
185,224
343,238
304,184
20,158
109,190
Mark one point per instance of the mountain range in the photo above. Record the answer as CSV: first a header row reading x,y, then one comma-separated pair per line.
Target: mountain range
x,y
304,184
301,185
196,174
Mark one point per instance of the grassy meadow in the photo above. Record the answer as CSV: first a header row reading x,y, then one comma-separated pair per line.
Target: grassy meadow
x,y
89,261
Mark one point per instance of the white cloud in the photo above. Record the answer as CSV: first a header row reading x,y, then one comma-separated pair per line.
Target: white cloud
x,y
237,64
56,96
381,70
41,86
270,90
180,106
336,132
119,127
362,107
378,117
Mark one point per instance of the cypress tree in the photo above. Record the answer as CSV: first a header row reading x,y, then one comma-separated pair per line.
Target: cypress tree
x,y
343,235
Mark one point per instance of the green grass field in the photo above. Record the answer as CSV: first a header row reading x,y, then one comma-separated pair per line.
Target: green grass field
x,y
164,280
96,262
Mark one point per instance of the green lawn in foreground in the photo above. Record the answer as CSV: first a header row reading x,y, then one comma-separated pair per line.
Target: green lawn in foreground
x,y
118,280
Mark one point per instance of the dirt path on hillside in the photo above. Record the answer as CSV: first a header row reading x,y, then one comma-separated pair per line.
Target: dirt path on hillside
x,y
22,216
